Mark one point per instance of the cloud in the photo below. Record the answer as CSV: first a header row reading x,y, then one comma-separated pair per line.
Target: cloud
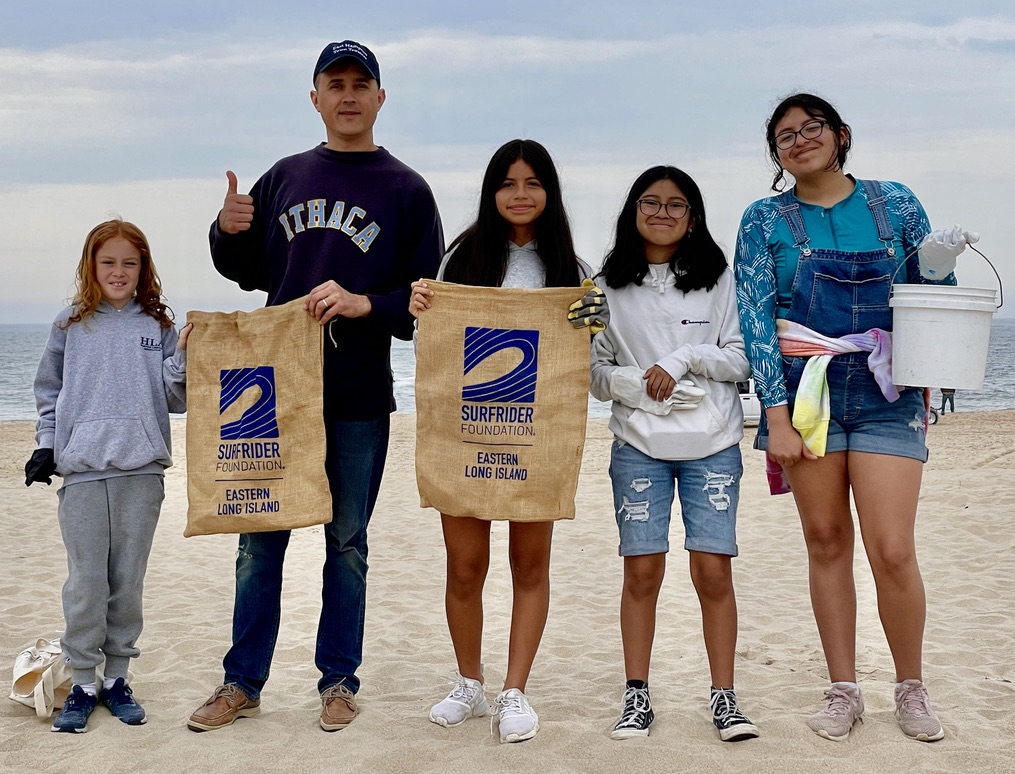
x,y
962,33
146,125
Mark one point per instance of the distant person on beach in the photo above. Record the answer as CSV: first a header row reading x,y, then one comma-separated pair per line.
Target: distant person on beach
x,y
814,266
521,239
112,371
348,226
670,362
947,398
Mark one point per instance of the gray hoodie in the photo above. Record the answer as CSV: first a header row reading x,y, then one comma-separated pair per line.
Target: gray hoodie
x,y
104,390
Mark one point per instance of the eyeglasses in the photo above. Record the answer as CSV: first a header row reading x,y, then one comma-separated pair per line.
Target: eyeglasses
x,y
675,210
809,131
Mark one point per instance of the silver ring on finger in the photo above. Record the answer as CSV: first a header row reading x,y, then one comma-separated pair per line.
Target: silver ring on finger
x,y
325,302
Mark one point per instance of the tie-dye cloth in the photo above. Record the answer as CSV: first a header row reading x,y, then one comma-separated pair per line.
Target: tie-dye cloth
x,y
812,411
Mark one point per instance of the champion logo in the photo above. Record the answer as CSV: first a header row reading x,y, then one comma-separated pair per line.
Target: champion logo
x,y
515,386
259,420
695,322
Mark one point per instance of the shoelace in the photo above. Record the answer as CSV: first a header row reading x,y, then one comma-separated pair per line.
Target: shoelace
x,y
507,705
839,702
78,700
462,690
636,703
511,705
913,701
730,710
125,692
336,691
229,691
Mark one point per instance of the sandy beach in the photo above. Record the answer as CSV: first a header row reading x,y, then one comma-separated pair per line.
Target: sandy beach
x,y
965,538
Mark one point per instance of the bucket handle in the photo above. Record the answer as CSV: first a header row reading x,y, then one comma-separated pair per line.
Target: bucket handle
x,y
1000,285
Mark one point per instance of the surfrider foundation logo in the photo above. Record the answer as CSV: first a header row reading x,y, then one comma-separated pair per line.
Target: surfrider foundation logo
x,y
249,466
517,385
497,414
258,421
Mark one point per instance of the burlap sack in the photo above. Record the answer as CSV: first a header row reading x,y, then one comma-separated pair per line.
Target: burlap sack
x,y
255,422
502,383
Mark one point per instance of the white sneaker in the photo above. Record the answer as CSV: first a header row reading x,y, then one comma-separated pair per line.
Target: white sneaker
x,y
466,700
515,716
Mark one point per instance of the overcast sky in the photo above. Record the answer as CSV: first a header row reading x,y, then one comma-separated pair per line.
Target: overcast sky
x,y
115,108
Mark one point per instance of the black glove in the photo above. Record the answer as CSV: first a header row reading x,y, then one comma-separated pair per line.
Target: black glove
x,y
40,467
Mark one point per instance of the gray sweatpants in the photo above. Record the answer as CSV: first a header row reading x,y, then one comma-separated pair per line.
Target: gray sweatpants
x,y
108,527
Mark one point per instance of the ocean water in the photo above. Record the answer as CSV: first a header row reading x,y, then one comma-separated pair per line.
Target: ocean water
x,y
21,347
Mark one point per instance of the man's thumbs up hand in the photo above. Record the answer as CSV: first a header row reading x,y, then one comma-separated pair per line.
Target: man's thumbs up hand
x,y
238,209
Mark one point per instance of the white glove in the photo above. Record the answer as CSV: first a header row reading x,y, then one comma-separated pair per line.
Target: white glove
x,y
627,386
687,392
939,249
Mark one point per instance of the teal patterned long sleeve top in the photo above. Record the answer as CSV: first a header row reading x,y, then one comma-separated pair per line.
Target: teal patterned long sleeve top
x,y
766,263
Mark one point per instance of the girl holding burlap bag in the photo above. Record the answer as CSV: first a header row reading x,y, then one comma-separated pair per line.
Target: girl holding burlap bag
x,y
491,432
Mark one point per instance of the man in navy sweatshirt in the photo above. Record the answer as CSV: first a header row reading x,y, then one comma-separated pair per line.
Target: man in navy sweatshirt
x,y
350,227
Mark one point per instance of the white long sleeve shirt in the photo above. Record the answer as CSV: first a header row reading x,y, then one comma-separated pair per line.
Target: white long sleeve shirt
x,y
695,336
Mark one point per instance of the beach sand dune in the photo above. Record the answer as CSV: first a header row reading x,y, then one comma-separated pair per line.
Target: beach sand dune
x,y
965,539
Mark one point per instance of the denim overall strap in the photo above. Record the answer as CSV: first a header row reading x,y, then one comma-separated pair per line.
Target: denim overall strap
x,y
790,211
839,292
876,202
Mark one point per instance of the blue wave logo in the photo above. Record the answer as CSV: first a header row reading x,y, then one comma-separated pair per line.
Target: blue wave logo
x,y
516,386
258,421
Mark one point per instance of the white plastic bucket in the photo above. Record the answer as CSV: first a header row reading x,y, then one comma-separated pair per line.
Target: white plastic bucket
x,y
940,335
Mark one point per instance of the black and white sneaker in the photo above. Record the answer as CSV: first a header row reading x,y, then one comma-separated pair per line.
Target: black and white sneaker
x,y
733,725
636,716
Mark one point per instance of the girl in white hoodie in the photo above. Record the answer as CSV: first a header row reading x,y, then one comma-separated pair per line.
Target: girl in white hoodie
x,y
670,361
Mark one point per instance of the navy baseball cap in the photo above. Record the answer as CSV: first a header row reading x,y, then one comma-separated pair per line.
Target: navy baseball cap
x,y
348,49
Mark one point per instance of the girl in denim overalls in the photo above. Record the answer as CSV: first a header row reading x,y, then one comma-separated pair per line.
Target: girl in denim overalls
x,y
823,256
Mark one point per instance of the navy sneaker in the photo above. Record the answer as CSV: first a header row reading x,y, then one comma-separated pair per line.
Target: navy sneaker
x,y
74,716
120,701
636,717
732,724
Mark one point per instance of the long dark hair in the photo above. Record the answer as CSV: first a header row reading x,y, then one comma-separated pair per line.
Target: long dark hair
x,y
698,261
815,107
479,254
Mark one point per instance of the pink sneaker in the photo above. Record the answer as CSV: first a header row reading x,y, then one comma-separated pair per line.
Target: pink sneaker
x,y
914,713
844,708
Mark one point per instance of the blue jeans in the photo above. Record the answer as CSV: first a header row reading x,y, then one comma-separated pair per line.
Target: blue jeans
x,y
355,463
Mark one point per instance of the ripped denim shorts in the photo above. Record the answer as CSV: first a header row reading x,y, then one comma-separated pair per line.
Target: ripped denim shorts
x,y
708,490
